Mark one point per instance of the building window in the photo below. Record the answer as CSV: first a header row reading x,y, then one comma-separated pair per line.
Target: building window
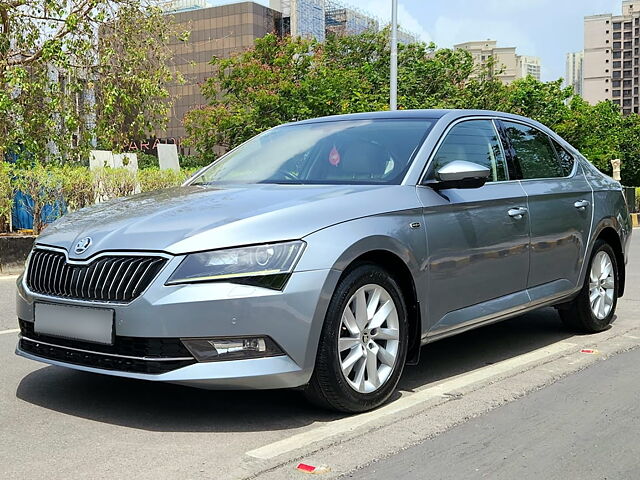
x,y
627,64
615,83
627,35
628,25
617,54
617,25
626,103
616,64
627,83
616,74
635,90
617,45
627,74
628,45
627,54
626,93
617,35
616,93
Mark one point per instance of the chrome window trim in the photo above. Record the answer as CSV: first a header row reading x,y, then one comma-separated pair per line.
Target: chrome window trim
x,y
437,146
146,359
495,118
575,162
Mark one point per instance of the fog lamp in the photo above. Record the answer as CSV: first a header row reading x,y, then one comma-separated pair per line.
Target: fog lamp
x,y
232,348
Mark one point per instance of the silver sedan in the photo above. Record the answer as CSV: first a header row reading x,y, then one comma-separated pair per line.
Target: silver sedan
x,y
324,254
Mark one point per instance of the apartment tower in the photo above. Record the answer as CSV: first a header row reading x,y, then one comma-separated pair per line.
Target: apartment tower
x,y
508,66
612,57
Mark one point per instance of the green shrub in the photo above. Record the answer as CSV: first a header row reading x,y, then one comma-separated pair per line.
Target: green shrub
x,y
193,162
114,182
155,179
6,195
78,189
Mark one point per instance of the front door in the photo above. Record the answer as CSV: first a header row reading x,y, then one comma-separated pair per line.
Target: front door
x,y
478,244
560,206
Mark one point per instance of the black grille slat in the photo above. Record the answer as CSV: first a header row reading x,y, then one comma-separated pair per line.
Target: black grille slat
x,y
116,278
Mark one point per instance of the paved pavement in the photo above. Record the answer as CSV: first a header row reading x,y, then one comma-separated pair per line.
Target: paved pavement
x,y
59,423
584,426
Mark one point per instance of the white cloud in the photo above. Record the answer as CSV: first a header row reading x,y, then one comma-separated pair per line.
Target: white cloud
x,y
382,10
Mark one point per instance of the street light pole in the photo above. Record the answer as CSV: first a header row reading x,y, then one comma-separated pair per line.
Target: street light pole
x,y
393,104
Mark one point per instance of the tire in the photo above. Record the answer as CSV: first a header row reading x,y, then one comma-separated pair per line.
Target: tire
x,y
579,315
359,388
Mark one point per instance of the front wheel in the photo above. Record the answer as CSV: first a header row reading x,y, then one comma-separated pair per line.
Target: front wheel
x,y
363,345
593,309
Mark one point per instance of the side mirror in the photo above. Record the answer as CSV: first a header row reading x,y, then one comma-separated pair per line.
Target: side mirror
x,y
460,174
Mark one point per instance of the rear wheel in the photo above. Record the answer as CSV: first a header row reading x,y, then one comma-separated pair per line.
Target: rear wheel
x,y
363,346
593,309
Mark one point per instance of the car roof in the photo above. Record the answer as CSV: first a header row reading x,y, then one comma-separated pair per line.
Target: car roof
x,y
430,114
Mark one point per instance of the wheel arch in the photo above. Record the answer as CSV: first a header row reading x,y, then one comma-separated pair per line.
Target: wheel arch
x,y
401,272
608,230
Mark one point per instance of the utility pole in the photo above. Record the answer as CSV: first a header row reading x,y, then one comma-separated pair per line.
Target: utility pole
x,y
393,104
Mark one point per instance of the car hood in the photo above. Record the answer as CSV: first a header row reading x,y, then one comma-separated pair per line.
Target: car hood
x,y
196,218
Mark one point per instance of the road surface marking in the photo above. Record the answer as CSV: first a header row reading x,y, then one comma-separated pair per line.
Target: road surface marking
x,y
349,424
6,332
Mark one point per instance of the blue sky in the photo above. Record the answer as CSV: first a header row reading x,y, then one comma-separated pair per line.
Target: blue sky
x,y
545,28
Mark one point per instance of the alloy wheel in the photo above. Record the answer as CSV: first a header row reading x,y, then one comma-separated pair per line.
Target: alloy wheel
x,y
601,285
369,339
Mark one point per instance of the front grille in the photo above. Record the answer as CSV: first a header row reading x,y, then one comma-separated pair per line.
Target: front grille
x,y
109,279
127,354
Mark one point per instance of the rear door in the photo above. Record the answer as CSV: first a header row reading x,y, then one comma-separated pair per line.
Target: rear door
x,y
478,245
559,202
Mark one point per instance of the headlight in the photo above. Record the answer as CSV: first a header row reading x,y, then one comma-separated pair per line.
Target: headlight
x,y
263,265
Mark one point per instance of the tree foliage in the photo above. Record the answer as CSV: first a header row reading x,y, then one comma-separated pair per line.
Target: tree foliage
x,y
76,73
282,80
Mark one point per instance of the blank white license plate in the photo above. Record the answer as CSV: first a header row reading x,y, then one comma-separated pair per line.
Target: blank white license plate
x,y
77,323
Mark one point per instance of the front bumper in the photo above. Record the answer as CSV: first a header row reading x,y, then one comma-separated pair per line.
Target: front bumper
x,y
292,318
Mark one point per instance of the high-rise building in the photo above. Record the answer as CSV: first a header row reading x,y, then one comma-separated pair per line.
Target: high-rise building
x,y
573,76
302,18
343,20
612,56
215,31
508,66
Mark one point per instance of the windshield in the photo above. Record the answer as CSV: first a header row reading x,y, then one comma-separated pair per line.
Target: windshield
x,y
339,152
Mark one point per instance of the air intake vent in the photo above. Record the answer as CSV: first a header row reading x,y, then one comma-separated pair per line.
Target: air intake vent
x,y
108,279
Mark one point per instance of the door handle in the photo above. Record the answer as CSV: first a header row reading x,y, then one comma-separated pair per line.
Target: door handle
x,y
581,204
517,212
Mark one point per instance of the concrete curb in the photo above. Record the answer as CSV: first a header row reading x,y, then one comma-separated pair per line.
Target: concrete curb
x,y
635,219
13,253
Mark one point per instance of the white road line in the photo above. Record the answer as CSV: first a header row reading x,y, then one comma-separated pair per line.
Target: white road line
x,y
422,395
6,332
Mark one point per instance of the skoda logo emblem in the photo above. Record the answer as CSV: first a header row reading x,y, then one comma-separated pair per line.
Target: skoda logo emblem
x,y
82,245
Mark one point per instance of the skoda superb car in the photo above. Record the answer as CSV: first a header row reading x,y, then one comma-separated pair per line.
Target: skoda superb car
x,y
323,254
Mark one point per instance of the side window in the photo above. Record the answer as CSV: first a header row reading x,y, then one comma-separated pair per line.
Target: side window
x,y
534,153
566,159
472,141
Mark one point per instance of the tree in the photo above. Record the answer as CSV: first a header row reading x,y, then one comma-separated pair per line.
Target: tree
x,y
282,80
74,73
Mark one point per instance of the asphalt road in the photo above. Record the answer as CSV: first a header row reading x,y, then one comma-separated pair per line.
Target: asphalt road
x,y
585,426
59,423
